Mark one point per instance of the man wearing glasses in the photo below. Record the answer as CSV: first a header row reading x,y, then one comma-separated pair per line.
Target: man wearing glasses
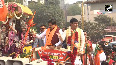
x,y
42,41
52,39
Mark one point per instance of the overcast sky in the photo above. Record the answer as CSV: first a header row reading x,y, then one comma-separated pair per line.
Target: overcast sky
x,y
71,1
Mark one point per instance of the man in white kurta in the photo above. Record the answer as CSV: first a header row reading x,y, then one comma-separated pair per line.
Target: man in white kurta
x,y
79,42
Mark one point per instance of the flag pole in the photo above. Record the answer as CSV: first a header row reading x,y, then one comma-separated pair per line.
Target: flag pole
x,y
86,54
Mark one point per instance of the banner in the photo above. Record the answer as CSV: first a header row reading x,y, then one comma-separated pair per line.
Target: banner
x,y
54,54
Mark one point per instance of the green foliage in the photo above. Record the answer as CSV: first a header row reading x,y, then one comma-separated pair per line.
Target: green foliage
x,y
74,9
96,48
18,1
85,48
104,19
47,11
95,30
0,23
52,2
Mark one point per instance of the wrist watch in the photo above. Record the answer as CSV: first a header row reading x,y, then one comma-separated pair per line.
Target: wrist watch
x,y
55,45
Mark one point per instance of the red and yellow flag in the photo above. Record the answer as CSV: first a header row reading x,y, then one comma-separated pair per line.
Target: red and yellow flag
x,y
3,11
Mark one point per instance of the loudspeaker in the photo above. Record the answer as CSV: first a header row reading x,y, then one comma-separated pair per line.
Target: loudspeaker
x,y
10,62
3,60
18,61
37,62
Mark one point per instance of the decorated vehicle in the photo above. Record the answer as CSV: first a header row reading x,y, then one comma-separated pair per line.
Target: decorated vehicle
x,y
17,20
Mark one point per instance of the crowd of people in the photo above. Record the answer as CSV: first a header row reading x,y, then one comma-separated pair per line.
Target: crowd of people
x,y
72,38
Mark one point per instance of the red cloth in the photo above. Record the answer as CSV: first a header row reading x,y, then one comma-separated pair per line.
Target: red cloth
x,y
90,43
3,12
69,40
112,54
76,36
110,62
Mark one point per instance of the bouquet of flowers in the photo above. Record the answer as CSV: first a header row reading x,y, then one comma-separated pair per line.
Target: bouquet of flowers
x,y
12,7
69,41
72,55
14,10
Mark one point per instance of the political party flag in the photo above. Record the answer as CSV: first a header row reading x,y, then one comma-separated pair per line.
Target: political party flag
x,y
3,11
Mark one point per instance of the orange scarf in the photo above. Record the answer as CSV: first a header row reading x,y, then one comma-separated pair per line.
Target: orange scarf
x,y
49,36
97,58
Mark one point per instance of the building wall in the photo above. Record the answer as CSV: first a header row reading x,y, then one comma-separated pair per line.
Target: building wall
x,y
99,7
25,2
61,4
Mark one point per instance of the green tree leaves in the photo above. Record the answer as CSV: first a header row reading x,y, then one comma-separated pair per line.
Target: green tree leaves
x,y
74,9
104,19
95,30
17,1
49,10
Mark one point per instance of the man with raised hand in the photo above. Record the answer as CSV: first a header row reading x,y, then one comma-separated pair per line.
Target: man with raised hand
x,y
52,39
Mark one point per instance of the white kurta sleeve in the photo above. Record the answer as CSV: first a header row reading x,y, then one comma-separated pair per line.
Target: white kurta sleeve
x,y
102,57
41,35
63,35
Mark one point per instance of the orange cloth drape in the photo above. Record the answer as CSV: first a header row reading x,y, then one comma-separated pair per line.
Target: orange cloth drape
x,y
49,35
97,58
83,59
3,11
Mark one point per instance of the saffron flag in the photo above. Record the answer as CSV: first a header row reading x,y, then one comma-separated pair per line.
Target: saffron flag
x,y
3,11
97,57
30,24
